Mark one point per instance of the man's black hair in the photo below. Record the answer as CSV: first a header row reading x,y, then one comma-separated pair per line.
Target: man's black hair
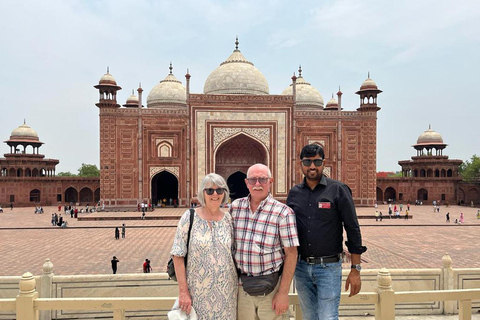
x,y
311,150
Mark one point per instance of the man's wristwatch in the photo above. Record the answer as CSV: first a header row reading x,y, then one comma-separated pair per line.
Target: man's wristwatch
x,y
358,267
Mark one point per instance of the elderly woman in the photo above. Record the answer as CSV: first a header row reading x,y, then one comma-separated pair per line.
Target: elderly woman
x,y
209,283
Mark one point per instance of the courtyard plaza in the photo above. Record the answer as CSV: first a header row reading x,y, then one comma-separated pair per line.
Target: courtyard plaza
x,y
86,247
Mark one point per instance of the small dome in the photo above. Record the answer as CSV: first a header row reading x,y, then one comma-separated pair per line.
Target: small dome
x,y
236,75
430,137
24,132
368,84
107,79
169,91
306,94
332,104
132,101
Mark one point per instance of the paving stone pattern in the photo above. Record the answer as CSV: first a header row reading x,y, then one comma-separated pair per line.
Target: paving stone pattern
x,y
86,247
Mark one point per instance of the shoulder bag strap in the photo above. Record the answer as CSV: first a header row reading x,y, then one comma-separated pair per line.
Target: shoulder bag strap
x,y
192,212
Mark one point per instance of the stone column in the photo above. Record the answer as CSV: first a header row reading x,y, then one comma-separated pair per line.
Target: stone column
x,y
46,286
385,309
447,271
26,298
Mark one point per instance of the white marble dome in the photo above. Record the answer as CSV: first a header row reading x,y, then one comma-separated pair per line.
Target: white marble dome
x,y
332,104
169,91
429,137
306,94
108,79
24,132
133,99
368,84
236,75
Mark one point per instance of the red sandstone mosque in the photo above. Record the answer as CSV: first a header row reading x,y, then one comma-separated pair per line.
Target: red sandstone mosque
x,y
164,149
161,151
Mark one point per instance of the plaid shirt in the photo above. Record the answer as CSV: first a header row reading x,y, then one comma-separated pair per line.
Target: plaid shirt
x,y
261,235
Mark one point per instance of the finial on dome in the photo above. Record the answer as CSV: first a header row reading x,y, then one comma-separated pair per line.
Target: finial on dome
x,y
236,43
171,68
139,84
368,74
300,71
332,95
133,91
24,121
429,127
108,69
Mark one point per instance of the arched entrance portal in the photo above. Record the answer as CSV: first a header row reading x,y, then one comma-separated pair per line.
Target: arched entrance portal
x,y
390,194
237,186
379,195
422,195
164,186
71,195
233,158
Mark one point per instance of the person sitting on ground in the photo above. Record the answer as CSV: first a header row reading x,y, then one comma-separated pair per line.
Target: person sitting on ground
x,y
64,224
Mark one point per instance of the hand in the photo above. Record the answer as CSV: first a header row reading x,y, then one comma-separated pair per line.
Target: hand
x,y
353,282
280,303
185,301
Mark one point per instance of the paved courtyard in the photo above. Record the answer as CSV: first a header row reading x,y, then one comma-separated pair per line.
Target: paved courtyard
x,y
86,247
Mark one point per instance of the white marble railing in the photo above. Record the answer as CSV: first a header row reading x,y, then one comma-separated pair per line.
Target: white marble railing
x,y
151,295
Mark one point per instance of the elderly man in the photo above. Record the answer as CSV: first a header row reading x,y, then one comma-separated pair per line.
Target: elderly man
x,y
265,248
323,208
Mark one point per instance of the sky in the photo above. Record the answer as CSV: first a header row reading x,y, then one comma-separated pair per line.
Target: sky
x,y
424,55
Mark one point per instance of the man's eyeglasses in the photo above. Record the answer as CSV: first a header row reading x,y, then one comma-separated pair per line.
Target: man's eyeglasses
x,y
253,181
210,191
308,162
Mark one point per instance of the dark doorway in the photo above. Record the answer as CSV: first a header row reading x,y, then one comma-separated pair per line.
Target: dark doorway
x,y
237,186
390,195
86,196
422,195
164,186
71,195
35,195
379,195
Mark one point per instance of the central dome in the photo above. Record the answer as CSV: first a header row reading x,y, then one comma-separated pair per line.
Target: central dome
x,y
236,75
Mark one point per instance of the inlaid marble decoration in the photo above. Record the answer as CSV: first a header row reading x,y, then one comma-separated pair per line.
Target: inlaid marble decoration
x,y
173,170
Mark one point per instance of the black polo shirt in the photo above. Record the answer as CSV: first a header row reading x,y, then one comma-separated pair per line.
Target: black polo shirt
x,y
321,215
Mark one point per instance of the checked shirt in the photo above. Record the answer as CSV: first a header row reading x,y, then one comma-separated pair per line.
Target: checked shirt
x,y
261,235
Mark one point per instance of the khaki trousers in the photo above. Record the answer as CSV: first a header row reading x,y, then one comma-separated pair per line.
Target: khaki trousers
x,y
257,308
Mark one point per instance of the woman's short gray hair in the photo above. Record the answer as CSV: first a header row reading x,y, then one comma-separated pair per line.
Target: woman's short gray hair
x,y
209,181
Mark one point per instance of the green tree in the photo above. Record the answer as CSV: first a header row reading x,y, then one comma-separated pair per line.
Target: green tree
x,y
88,170
66,174
470,170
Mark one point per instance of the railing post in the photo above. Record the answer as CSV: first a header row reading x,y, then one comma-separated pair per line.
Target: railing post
x,y
28,294
385,309
465,310
119,314
448,306
46,286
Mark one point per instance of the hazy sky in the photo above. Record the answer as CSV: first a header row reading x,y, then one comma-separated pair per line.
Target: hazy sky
x,y
424,55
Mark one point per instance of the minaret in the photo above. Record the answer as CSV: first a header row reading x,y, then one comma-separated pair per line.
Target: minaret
x,y
107,86
339,95
368,95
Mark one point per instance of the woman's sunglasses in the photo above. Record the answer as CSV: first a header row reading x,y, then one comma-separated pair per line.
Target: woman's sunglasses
x,y
210,191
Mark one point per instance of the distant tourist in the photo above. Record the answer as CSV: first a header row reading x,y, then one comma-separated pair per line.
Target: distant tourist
x,y
146,266
123,230
117,233
461,217
447,217
114,264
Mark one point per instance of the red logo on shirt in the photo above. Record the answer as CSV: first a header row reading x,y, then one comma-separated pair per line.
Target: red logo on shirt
x,y
324,205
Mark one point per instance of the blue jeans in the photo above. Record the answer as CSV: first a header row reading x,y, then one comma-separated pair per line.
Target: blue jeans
x,y
319,288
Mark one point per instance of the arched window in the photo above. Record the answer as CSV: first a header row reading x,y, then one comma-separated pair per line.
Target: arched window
x,y
164,150
443,173
423,173
449,173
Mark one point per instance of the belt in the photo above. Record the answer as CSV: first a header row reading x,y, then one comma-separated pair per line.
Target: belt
x,y
322,260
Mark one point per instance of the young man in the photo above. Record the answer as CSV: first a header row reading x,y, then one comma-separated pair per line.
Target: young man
x,y
323,207
265,242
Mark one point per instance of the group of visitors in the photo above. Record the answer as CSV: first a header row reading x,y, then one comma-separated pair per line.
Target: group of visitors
x,y
117,232
57,220
240,264
38,210
147,268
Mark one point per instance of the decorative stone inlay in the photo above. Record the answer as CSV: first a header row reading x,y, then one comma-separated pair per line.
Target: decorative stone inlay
x,y
321,142
160,140
222,134
277,152
173,170
327,171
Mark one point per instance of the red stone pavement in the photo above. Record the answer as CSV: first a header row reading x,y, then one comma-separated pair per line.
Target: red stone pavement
x,y
86,247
